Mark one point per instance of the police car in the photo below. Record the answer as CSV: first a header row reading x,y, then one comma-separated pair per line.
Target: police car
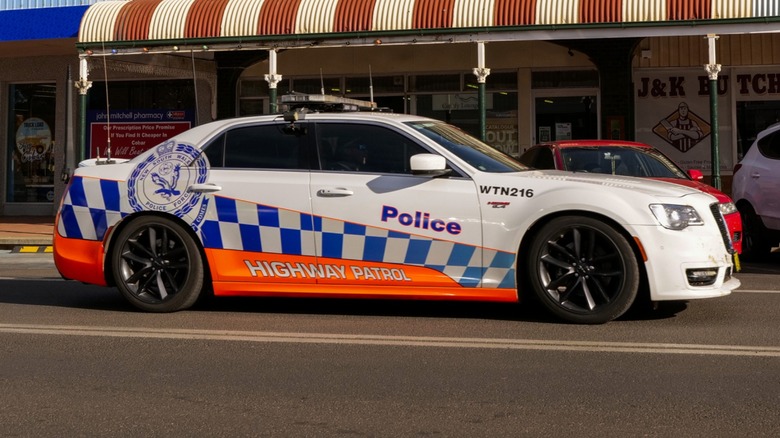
x,y
343,203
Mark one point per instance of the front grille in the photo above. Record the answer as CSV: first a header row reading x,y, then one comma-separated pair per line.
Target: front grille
x,y
724,231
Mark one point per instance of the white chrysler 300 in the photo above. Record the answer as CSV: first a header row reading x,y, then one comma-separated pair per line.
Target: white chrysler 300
x,y
378,205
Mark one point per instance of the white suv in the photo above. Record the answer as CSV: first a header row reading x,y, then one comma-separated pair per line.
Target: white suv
x,y
756,191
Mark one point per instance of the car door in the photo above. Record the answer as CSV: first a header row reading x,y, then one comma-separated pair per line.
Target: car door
x,y
767,180
379,225
259,226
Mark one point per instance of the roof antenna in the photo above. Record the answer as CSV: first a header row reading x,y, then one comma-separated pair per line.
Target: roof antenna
x,y
195,87
322,83
108,159
370,85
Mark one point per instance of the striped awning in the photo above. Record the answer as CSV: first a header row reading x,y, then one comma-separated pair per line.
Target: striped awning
x,y
166,20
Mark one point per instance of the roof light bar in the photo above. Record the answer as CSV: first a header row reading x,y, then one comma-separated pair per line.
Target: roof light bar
x,y
313,101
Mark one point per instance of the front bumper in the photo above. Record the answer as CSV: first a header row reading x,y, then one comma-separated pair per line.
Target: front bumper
x,y
687,264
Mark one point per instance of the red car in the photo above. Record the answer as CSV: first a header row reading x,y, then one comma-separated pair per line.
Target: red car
x,y
630,159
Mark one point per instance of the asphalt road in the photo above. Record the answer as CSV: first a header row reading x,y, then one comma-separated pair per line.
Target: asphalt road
x,y
75,360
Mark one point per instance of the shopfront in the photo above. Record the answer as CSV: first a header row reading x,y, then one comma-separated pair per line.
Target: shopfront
x,y
546,80
31,129
672,103
437,81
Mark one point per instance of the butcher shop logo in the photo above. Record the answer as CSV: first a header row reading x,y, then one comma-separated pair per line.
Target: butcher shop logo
x,y
683,128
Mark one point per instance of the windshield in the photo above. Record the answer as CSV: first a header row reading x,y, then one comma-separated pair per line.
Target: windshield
x,y
620,160
467,148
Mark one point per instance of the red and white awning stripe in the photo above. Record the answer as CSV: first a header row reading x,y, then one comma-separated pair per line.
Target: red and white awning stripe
x,y
143,20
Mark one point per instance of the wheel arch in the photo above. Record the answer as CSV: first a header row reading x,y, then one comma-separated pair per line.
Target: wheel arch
x,y
523,281
744,203
119,226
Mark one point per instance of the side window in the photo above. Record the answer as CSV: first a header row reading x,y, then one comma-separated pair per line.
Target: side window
x,y
528,156
364,148
543,159
215,151
259,147
769,146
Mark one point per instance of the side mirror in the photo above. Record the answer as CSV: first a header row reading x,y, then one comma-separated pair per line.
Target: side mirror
x,y
429,165
696,174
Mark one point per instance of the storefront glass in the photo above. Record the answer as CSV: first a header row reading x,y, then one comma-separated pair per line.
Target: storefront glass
x,y
462,110
30,143
565,105
451,97
142,114
460,106
566,117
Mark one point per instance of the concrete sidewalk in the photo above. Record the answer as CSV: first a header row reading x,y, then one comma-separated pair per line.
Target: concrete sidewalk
x,y
26,231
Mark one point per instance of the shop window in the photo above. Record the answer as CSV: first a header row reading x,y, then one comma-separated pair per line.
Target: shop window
x,y
253,88
566,117
140,115
162,94
495,81
316,86
31,131
252,96
380,84
444,82
565,79
462,110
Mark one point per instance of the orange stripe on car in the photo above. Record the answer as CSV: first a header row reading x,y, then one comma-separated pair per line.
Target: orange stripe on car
x,y
79,259
233,266
456,293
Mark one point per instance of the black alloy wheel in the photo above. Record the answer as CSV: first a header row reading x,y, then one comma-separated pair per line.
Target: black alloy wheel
x,y
156,265
583,270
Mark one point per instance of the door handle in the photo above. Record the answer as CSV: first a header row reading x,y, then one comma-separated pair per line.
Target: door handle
x,y
204,188
334,193
755,175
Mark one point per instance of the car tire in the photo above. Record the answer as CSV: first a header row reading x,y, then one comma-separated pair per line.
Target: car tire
x,y
156,265
755,241
583,270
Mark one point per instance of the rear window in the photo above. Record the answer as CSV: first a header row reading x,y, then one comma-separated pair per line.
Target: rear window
x,y
769,146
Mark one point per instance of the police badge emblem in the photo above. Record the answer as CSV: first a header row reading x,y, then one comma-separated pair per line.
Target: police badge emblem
x,y
161,181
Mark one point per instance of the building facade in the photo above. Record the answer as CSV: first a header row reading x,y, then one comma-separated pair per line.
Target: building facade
x,y
119,76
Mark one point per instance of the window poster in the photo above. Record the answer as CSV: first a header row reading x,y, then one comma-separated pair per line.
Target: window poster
x,y
673,115
30,176
132,132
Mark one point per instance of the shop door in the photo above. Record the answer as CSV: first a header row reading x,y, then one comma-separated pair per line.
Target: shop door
x,y
565,115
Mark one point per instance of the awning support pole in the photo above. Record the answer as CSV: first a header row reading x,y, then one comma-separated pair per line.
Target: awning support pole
x,y
712,70
83,86
272,78
481,73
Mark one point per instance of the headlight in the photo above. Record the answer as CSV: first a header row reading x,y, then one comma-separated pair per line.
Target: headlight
x,y
727,208
676,217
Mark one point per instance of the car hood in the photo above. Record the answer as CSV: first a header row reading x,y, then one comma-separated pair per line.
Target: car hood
x,y
722,197
634,184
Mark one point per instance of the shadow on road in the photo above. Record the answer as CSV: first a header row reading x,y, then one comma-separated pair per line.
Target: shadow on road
x,y
767,265
76,295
